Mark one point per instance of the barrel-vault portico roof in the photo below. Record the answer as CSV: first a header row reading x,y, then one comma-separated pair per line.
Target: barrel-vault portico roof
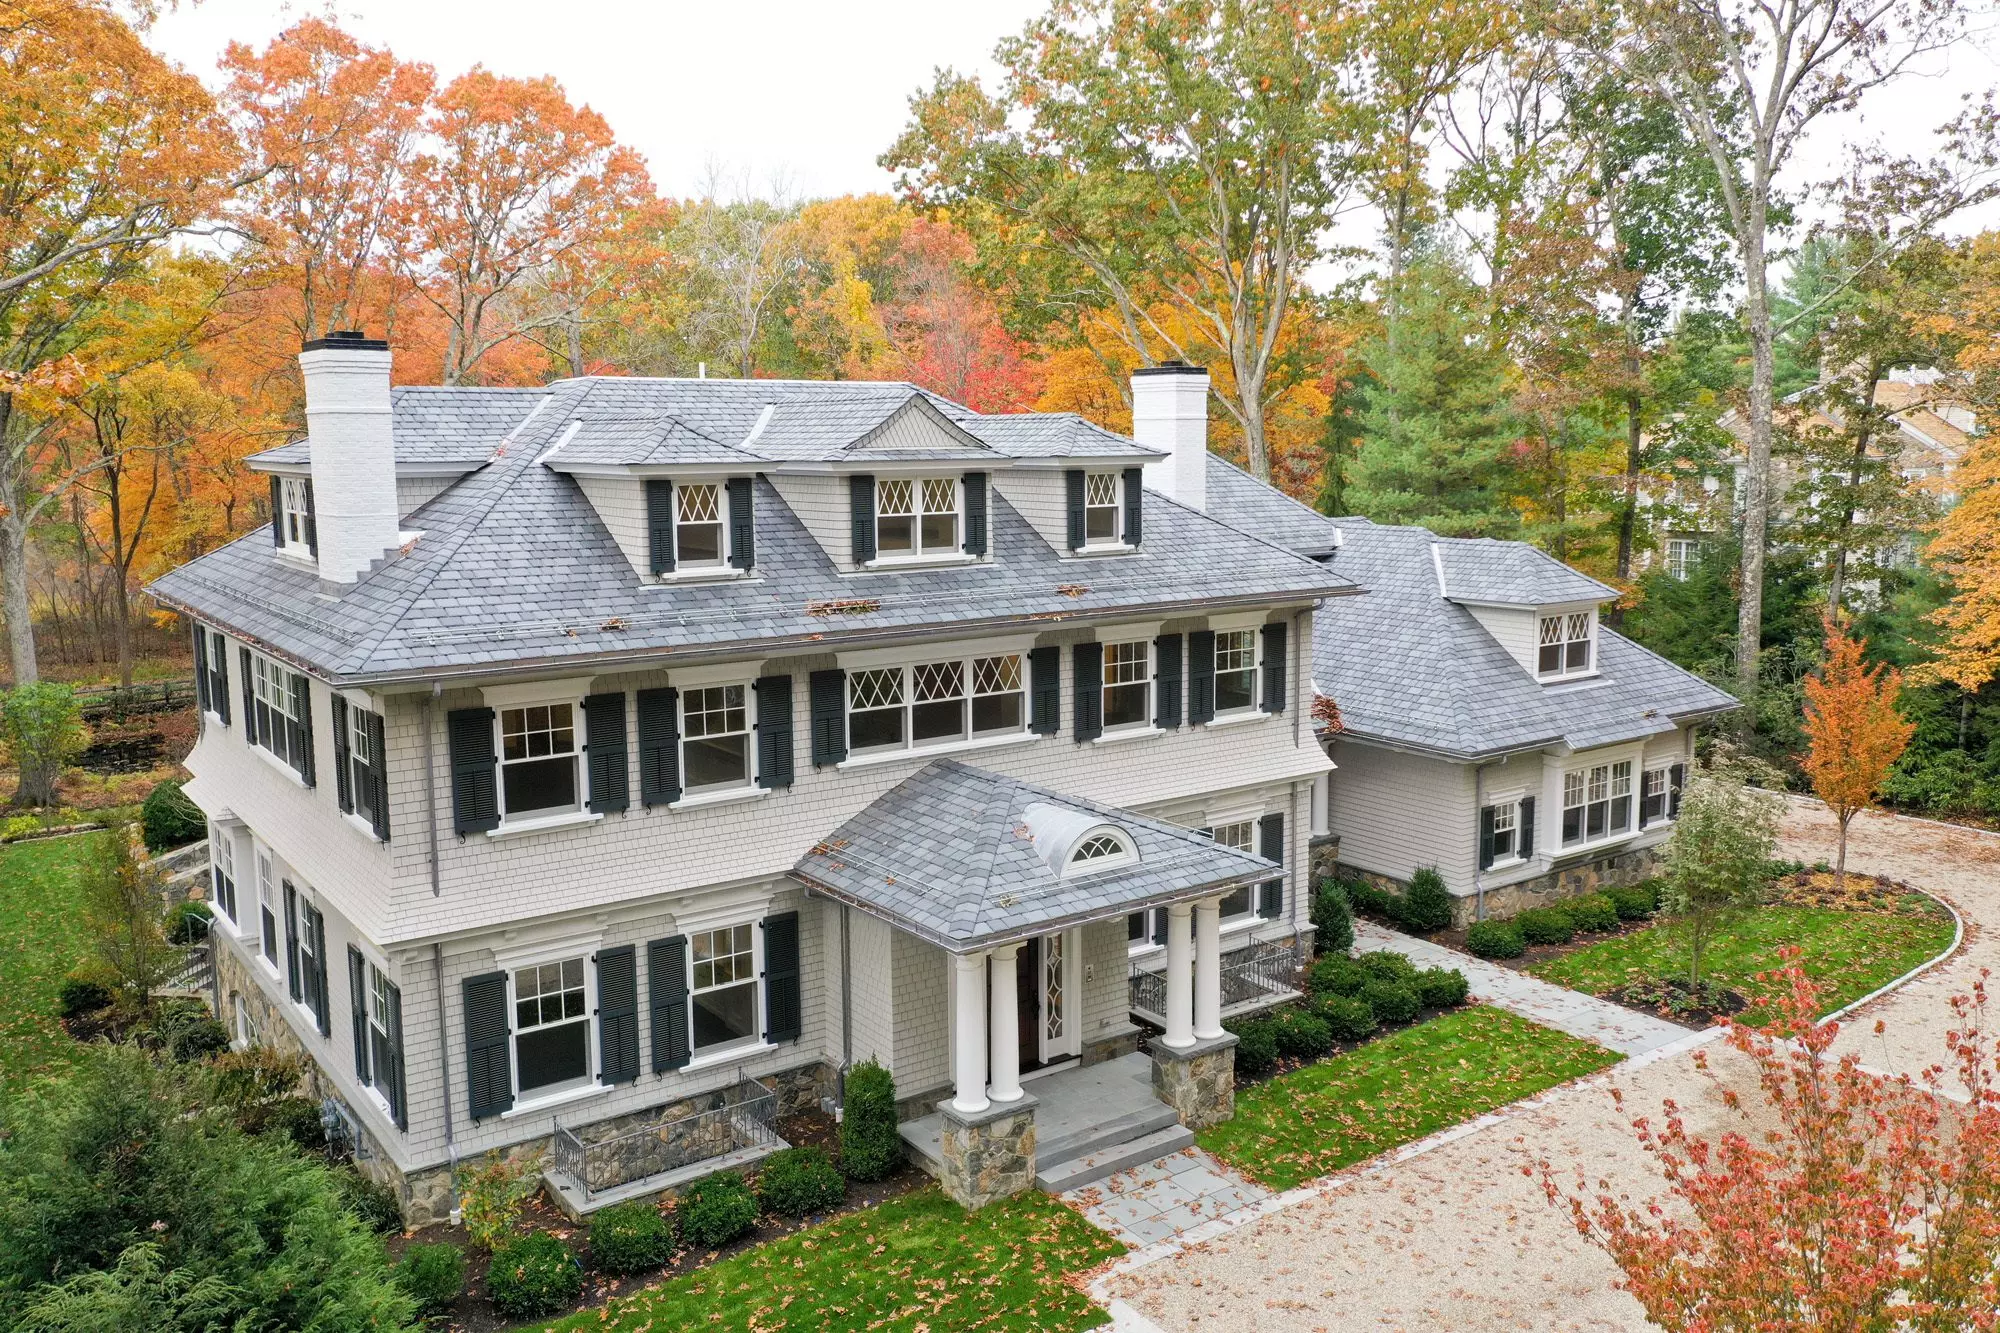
x,y
967,859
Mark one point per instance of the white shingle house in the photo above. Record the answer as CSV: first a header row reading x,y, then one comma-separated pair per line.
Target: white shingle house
x,y
602,768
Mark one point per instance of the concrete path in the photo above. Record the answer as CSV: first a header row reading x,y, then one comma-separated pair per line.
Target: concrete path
x,y
1456,1233
1612,1026
1164,1199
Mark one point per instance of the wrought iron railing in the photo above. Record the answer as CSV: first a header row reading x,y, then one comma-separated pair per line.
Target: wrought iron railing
x,y
624,1150
1254,976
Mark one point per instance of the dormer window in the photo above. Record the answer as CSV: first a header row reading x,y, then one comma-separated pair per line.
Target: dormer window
x,y
1102,525
916,516
698,527
1565,645
1104,509
1103,848
698,539
294,516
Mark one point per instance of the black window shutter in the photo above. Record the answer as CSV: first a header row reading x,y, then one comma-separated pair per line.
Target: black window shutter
x,y
489,1074
292,941
660,525
861,516
781,977
200,669
302,754
1676,776
1274,667
343,778
617,1015
278,511
1643,798
398,1104
1271,846
1045,684
1167,686
249,699
1073,482
322,1006
1485,837
1159,925
312,521
667,994
659,747
1087,666
1201,676
378,774
975,513
742,525
218,680
604,751
357,995
774,730
1526,841
1135,507
475,796
829,716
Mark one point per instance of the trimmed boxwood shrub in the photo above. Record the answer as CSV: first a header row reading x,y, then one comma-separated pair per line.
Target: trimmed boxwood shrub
x,y
1594,911
1301,1034
1347,1017
1387,965
1371,899
1335,974
796,1181
630,1238
1256,1047
1495,939
169,819
715,1211
1392,1001
1442,987
198,1041
870,1148
1635,902
79,995
1332,918
1426,906
432,1275
1546,925
533,1276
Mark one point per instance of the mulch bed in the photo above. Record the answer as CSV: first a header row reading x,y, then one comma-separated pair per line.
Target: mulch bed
x,y
1673,999
473,1314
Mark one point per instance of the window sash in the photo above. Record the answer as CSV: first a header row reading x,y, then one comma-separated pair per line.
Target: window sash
x,y
916,517
930,705
1239,835
267,899
551,1020
1102,501
1235,670
1127,692
715,737
1563,644
700,535
540,772
292,501
277,704
724,987
1506,828
1597,803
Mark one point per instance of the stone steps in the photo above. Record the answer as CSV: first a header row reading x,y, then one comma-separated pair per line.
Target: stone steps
x,y
1102,1161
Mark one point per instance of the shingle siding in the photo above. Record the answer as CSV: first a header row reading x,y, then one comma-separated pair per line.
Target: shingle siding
x,y
1036,494
620,503
820,504
1396,813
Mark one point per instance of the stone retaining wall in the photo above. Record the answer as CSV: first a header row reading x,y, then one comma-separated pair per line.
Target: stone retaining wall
x,y
1569,881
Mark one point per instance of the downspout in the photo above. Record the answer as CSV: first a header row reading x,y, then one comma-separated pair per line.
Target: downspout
x,y
430,785
444,1073
1299,675
1478,814
846,1006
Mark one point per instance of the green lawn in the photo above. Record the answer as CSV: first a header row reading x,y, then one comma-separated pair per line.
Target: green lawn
x,y
1394,1090
1851,953
917,1261
41,937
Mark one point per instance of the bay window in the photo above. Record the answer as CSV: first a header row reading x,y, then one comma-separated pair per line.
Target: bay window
x,y
723,987
916,516
1128,684
935,703
1235,670
1597,803
715,737
538,760
1564,647
551,1026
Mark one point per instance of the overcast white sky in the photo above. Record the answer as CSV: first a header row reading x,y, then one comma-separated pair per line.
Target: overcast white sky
x,y
810,91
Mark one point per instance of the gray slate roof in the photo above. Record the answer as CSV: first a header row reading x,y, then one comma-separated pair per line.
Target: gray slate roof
x,y
1411,668
948,854
515,568
438,425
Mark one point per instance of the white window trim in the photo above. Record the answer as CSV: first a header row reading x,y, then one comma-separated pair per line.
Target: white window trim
x,y
1520,855
565,819
1256,704
260,856
735,790
1126,855
1666,771
1565,674
589,1082
1631,830
1117,539
911,746
221,834
876,758
300,549
723,544
1148,724
1247,918
742,1046
556,819
917,555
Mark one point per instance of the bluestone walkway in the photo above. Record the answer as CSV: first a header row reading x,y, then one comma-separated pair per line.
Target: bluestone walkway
x,y
1612,1026
1167,1198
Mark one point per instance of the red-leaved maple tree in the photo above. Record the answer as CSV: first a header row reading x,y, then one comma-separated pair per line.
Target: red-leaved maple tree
x,y
1842,1200
1854,734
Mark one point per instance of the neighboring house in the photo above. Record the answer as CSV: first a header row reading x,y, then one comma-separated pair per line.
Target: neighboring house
x,y
1490,725
601,769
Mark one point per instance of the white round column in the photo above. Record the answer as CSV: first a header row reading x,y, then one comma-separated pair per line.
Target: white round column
x,y
1208,969
969,1033
1180,978
1005,1048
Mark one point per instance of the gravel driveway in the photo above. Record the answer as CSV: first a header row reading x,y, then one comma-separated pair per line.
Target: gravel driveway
x,y
1461,1238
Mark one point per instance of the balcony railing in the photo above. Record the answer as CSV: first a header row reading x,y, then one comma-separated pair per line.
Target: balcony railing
x,y
1255,976
627,1150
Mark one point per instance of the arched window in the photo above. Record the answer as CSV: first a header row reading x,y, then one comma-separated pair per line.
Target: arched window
x,y
1101,848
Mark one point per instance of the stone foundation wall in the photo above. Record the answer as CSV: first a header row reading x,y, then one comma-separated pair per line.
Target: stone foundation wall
x,y
1199,1082
1570,881
987,1156
1323,858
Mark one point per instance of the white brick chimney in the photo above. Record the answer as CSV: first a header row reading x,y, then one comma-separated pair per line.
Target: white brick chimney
x,y
353,452
1170,412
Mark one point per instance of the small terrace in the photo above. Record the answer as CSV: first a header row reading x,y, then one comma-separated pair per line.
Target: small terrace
x,y
661,1148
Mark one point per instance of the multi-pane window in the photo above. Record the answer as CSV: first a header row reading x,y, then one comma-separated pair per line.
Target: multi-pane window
x,y
1506,828
281,720
1238,901
1682,553
311,965
715,737
723,993
267,907
538,760
698,526
1597,802
361,761
1235,670
1101,501
294,515
1128,684
217,649
916,516
551,1025
1656,795
935,703
1564,647
222,863
381,1047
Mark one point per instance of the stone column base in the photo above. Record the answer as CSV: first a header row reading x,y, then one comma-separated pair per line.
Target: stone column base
x,y
988,1154
1198,1081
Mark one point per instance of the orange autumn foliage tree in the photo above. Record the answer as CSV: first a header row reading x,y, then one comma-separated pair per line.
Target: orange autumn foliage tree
x,y
1848,1200
1854,734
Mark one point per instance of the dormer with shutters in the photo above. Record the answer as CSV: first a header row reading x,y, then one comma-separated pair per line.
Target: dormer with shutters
x,y
1543,613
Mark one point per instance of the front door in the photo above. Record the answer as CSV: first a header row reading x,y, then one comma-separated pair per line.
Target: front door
x,y
1028,1002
